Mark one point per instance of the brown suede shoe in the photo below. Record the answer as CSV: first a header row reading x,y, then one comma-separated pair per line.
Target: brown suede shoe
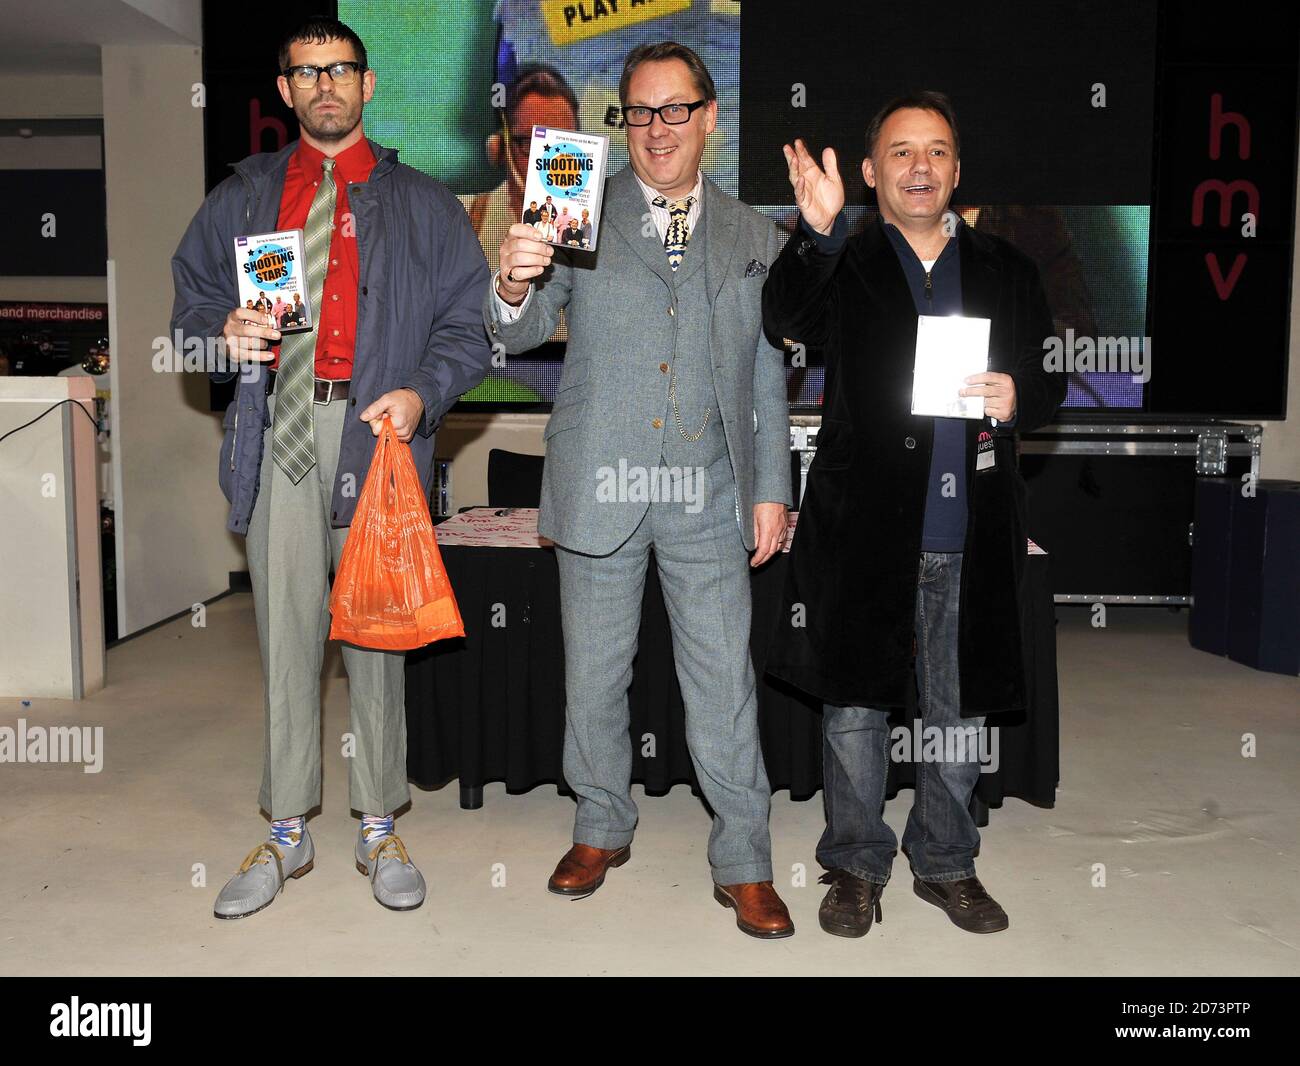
x,y
582,870
759,910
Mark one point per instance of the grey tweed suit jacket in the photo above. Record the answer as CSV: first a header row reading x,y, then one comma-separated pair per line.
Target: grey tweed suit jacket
x,y
617,305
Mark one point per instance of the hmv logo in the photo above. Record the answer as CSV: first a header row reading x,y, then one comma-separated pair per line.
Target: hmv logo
x,y
1226,194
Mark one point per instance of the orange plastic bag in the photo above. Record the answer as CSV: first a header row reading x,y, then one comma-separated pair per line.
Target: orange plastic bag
x,y
391,591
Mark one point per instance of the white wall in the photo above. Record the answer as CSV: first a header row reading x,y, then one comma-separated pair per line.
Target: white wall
x,y
70,290
173,548
50,96
183,17
1281,448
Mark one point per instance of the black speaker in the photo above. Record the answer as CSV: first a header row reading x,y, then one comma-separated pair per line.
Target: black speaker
x,y
1211,561
1264,581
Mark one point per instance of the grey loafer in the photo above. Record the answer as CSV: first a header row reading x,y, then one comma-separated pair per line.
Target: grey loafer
x,y
395,881
261,876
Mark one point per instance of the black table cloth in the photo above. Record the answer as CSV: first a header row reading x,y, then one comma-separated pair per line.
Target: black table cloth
x,y
490,706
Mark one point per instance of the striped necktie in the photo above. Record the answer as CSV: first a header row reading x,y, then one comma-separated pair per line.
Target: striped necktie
x,y
292,444
678,234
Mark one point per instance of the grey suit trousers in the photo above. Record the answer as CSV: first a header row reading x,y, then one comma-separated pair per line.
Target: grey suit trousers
x,y
291,548
704,570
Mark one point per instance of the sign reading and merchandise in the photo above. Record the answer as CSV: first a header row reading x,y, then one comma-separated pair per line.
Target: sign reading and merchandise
x,y
41,338
52,313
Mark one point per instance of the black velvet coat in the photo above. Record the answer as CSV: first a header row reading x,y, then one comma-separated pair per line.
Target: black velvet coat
x,y
853,565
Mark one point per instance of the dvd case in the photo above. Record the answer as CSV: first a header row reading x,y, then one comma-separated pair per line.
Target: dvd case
x,y
564,186
271,272
949,348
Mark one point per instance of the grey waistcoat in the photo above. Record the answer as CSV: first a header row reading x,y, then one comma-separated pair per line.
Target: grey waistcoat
x,y
692,367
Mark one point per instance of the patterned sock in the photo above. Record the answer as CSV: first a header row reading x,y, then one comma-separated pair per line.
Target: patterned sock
x,y
287,832
373,828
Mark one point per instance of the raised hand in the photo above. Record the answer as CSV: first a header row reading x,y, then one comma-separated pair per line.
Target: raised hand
x,y
818,190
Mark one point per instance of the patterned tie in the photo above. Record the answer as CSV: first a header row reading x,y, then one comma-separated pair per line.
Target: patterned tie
x,y
678,234
292,446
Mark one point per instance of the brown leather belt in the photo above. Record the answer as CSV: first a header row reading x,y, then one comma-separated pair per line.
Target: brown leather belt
x,y
325,389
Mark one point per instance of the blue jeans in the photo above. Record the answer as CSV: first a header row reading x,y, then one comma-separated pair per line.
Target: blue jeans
x,y
940,838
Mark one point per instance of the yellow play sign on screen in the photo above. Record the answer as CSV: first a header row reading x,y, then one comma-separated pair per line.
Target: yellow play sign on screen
x,y
568,21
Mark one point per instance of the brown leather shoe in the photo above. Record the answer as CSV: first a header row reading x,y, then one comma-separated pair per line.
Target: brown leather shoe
x,y
759,910
582,870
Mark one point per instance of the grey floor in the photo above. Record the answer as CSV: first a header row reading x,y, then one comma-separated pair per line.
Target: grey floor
x,y
115,872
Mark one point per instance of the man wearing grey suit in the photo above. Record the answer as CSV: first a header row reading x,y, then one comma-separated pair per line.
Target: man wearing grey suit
x,y
669,432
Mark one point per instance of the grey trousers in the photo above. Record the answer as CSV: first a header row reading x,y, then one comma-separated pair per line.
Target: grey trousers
x,y
291,549
704,570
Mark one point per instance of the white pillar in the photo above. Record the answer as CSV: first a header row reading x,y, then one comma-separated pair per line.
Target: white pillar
x,y
172,546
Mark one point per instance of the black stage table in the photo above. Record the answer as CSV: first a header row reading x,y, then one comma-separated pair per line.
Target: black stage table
x,y
490,706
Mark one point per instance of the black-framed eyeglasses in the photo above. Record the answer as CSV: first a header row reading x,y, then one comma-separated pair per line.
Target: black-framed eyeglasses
x,y
305,75
673,114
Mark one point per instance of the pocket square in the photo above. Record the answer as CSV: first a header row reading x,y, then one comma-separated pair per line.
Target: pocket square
x,y
754,269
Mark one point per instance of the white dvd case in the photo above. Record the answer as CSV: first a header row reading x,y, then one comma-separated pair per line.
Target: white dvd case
x,y
271,271
564,186
949,348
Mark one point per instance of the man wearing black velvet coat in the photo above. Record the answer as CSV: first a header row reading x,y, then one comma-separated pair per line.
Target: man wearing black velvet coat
x,y
912,527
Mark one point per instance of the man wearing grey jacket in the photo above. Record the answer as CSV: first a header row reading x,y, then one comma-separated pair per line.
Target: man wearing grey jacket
x,y
397,280
669,432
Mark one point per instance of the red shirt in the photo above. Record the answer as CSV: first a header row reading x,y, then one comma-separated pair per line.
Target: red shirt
x,y
336,318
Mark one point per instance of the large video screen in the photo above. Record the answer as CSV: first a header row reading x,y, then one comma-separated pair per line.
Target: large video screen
x,y
1054,104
